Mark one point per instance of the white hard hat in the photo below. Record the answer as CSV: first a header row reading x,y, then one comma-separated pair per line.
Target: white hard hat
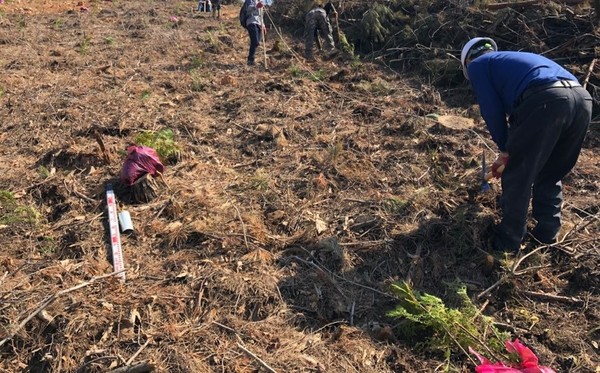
x,y
467,48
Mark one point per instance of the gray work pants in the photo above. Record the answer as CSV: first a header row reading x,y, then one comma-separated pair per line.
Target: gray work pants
x,y
315,20
544,141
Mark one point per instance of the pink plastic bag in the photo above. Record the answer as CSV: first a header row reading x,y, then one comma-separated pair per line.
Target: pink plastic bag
x,y
140,160
528,364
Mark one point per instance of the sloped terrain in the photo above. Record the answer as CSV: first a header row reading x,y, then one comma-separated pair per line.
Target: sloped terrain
x,y
302,192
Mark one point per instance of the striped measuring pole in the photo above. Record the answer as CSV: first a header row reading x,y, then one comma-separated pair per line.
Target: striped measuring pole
x,y
115,237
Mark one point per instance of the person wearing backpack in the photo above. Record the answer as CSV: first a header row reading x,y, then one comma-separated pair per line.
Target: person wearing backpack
x,y
251,18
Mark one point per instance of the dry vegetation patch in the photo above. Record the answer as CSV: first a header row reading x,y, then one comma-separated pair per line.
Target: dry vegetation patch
x,y
298,195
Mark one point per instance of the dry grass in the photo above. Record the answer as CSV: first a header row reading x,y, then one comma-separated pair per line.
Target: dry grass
x,y
293,207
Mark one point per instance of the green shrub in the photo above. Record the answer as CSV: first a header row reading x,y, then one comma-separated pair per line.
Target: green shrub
x,y
425,317
376,23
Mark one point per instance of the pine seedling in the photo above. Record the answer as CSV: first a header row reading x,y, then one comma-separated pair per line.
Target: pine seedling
x,y
161,141
11,212
439,328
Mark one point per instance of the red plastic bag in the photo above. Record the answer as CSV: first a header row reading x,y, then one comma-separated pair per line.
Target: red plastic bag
x,y
140,160
528,364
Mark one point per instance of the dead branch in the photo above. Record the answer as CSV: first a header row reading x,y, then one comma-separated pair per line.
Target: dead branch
x,y
258,360
513,272
415,261
103,150
132,358
527,3
365,243
247,129
243,226
49,300
79,194
322,268
140,367
552,297
588,73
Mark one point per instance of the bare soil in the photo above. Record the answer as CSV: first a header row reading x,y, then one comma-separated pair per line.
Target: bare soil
x,y
298,200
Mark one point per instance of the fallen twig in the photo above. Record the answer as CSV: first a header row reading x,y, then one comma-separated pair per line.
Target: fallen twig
x,y
247,129
320,267
258,360
552,297
481,343
51,299
243,226
513,272
103,150
77,193
526,3
415,261
365,243
132,358
140,367
588,73
494,285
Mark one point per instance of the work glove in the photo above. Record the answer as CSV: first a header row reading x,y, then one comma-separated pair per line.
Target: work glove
x,y
259,5
499,164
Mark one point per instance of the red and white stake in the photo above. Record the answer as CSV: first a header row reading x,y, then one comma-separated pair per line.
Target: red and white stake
x,y
115,237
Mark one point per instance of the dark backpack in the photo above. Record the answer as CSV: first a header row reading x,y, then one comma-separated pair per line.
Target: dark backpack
x,y
243,14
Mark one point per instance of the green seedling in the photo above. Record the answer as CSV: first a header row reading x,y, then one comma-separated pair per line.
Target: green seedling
x,y
198,81
345,46
197,61
296,72
11,212
43,172
145,94
161,141
260,181
317,76
58,24
213,40
85,45
426,318
47,246
395,206
334,152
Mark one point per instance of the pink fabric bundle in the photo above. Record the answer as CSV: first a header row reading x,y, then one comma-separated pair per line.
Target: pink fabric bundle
x,y
140,160
528,364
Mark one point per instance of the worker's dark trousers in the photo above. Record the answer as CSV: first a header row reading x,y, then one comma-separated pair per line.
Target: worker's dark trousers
x,y
544,141
254,32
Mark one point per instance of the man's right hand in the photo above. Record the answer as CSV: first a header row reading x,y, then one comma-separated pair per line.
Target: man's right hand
x,y
499,164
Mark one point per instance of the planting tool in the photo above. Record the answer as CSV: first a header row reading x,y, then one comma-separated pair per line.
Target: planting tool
x,y
485,186
115,237
487,176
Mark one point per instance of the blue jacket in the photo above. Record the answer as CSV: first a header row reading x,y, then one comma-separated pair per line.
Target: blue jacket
x,y
499,78
254,15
